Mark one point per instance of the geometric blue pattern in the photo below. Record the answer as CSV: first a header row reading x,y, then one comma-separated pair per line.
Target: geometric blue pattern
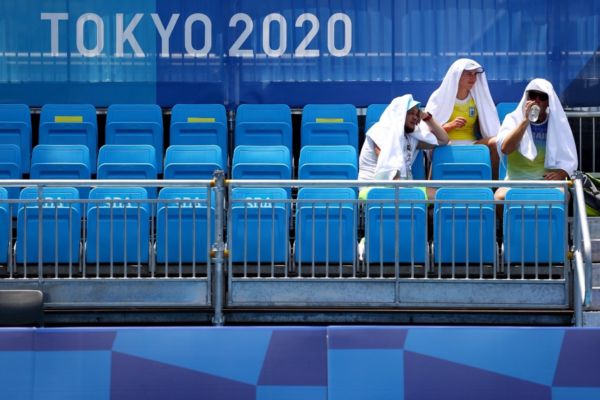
x,y
269,363
579,359
366,374
234,353
530,354
431,378
559,393
288,347
291,393
61,375
16,379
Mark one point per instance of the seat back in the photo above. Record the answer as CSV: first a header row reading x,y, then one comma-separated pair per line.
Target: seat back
x,y
61,226
127,162
118,229
10,168
49,161
5,233
183,231
70,124
328,162
192,161
136,124
329,124
326,221
264,125
464,232
470,162
534,231
396,226
15,128
374,112
60,162
200,124
505,108
259,226
261,162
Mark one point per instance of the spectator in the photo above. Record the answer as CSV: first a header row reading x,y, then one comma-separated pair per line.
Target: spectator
x,y
389,148
543,149
464,107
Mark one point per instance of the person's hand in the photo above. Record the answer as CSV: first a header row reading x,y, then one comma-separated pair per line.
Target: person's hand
x,y
527,109
556,175
459,122
423,114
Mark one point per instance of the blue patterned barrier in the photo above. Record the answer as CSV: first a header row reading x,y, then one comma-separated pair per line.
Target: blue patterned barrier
x,y
266,363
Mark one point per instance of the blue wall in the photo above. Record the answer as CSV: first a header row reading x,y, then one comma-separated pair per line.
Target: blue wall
x,y
290,51
263,363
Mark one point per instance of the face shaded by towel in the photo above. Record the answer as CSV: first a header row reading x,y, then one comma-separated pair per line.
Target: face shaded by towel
x,y
413,117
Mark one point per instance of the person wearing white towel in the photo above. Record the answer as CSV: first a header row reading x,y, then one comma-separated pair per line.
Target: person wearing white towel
x,y
390,145
464,107
543,149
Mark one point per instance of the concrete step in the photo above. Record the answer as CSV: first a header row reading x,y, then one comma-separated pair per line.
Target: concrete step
x,y
595,298
591,318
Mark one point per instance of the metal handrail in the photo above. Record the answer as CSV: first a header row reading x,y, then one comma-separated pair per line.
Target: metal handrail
x,y
582,254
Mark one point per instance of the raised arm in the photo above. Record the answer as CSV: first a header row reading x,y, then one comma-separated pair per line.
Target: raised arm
x,y
513,138
435,128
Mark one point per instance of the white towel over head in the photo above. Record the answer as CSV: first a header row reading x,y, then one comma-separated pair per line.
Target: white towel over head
x,y
441,102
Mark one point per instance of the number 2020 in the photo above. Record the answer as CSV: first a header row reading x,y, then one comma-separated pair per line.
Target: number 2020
x,y
302,48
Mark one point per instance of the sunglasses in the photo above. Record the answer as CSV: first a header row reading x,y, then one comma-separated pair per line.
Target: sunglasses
x,y
533,95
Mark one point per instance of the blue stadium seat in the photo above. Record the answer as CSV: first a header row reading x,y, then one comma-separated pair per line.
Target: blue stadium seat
x,y
10,168
505,108
390,226
5,233
65,161
324,228
329,124
263,125
259,227
374,112
534,232
118,230
261,162
461,226
70,124
200,124
61,226
471,162
136,124
127,162
328,162
192,161
502,165
182,225
15,128
418,167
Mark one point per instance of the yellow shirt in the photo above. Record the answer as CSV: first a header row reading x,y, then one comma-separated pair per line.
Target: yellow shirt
x,y
521,168
467,110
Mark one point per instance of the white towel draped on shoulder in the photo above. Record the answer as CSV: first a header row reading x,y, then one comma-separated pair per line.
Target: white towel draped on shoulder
x,y
388,135
441,102
561,152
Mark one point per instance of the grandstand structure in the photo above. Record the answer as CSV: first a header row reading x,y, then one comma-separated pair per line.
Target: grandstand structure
x,y
180,213
278,234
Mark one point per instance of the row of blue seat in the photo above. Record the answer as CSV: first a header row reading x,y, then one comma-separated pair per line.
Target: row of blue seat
x,y
118,225
195,124
256,124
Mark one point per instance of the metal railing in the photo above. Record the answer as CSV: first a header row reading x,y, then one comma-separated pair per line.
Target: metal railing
x,y
583,124
582,254
297,251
